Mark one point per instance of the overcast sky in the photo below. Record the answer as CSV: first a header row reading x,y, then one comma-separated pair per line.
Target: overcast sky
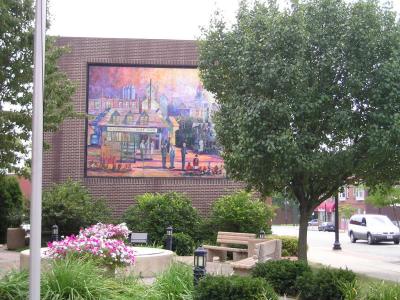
x,y
160,19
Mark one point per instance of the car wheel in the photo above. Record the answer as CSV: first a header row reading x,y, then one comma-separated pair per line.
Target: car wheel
x,y
396,242
352,238
369,239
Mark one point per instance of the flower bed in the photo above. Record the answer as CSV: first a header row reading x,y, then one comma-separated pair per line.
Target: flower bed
x,y
101,241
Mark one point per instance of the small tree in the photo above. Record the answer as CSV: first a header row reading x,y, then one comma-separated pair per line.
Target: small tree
x,y
241,212
383,196
11,204
153,213
346,211
308,97
70,206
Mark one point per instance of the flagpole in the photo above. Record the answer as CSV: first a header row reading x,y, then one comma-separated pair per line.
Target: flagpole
x,y
37,150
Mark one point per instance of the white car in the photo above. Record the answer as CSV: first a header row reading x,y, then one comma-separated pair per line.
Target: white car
x,y
373,228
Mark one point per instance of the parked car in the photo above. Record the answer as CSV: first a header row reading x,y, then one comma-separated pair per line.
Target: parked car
x,y
326,226
313,222
373,228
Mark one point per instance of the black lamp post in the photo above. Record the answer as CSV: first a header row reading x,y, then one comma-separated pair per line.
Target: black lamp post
x,y
200,260
336,244
261,234
54,233
169,238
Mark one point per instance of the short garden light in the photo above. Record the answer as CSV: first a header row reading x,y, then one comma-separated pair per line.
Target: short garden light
x,y
261,234
169,238
54,233
200,260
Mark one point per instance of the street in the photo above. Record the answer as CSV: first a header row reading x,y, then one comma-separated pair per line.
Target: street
x,y
379,260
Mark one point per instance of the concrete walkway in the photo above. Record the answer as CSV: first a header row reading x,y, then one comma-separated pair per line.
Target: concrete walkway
x,y
8,260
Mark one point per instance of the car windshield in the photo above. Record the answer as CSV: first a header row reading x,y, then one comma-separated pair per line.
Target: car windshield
x,y
379,221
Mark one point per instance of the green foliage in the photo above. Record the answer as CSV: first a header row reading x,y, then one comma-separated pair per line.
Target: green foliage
x,y
240,212
324,283
11,204
346,210
14,286
289,245
16,57
381,196
234,288
70,206
383,291
182,244
281,274
153,213
308,97
176,283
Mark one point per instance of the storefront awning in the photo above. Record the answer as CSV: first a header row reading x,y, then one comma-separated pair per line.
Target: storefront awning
x,y
326,206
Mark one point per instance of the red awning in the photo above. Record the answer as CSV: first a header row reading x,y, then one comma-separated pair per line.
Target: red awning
x,y
328,206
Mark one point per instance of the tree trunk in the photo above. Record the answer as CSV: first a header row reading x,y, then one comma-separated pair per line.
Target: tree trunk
x,y
302,245
395,214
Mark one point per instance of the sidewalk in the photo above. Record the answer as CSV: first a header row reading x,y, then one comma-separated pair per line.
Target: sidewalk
x,y
8,260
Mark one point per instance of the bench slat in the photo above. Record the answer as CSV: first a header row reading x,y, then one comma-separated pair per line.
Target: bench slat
x,y
251,235
224,248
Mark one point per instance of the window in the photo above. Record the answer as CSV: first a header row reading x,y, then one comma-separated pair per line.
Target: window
x,y
359,193
343,194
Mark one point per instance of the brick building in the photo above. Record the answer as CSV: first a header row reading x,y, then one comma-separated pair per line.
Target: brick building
x,y
66,158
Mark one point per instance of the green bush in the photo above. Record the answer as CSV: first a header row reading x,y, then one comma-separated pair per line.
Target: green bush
x,y
234,288
240,212
383,291
11,204
281,274
153,213
324,283
70,206
182,244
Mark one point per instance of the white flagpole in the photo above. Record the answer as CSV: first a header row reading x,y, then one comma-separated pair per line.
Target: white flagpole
x,y
37,150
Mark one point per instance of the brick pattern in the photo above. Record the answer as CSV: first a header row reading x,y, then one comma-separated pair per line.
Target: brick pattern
x,y
66,157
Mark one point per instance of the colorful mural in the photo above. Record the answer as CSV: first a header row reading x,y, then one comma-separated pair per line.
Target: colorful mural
x,y
150,122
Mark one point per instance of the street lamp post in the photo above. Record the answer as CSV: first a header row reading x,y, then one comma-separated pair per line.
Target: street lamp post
x,y
336,244
54,233
169,237
199,270
261,234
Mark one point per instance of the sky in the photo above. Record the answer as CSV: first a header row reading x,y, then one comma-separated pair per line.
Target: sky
x,y
155,19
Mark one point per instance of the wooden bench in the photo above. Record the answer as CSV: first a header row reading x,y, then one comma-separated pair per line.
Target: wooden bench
x,y
264,251
225,239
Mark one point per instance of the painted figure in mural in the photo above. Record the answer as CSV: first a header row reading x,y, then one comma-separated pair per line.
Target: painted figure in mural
x,y
183,155
147,146
152,148
196,162
164,155
201,146
172,156
142,149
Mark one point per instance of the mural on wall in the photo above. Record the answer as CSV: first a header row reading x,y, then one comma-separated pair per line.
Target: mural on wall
x,y
150,122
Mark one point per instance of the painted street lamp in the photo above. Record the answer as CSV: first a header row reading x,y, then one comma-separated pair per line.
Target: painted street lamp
x,y
200,260
261,234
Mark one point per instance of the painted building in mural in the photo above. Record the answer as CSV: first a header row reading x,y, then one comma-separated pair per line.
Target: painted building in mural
x,y
150,122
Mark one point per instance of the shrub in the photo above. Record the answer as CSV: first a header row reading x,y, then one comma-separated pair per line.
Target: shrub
x,y
281,274
153,213
289,244
14,286
70,206
11,204
182,243
240,212
324,283
234,287
383,291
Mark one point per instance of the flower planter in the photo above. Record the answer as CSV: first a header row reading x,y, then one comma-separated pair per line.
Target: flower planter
x,y
15,238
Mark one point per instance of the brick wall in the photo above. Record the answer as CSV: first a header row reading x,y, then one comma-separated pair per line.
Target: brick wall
x,y
66,157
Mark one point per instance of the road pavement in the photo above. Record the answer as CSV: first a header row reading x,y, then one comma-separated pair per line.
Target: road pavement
x,y
380,261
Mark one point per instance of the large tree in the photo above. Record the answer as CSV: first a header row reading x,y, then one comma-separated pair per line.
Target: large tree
x,y
16,75
309,97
